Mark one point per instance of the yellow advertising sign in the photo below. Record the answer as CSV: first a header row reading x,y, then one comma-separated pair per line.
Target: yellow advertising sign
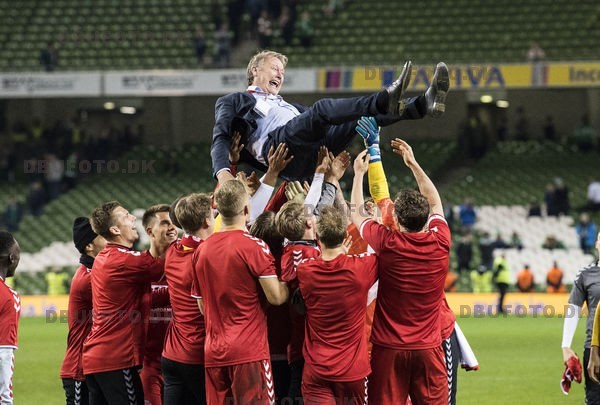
x,y
574,74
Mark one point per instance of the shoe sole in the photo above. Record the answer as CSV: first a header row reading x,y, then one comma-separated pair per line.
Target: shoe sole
x,y
403,82
442,85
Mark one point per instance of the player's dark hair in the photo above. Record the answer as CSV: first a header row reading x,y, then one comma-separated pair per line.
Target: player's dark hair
x,y
411,209
7,241
150,214
264,228
102,218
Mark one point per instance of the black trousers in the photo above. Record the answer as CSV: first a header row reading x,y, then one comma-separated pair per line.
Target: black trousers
x,y
184,383
76,392
452,355
118,387
330,122
592,390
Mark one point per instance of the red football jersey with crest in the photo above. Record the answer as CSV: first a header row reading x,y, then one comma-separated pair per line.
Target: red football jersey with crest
x,y
227,268
184,342
121,278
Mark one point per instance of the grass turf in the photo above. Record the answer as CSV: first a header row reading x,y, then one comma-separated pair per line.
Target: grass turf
x,y
521,361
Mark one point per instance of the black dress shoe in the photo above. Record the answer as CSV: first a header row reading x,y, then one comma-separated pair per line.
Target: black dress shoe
x,y
397,89
438,90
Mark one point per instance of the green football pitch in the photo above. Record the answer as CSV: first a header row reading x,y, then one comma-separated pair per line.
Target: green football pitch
x,y
520,358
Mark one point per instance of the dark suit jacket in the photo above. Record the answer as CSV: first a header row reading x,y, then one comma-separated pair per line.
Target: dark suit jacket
x,y
235,111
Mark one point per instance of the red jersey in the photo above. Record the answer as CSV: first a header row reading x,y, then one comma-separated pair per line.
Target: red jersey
x,y
447,319
10,310
80,323
227,267
120,279
160,315
412,272
184,342
335,295
293,254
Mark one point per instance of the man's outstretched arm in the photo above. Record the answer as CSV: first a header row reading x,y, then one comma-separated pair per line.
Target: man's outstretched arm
x,y
426,186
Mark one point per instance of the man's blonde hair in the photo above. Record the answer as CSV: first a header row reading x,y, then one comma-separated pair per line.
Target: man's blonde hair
x,y
331,227
258,60
231,198
192,210
291,220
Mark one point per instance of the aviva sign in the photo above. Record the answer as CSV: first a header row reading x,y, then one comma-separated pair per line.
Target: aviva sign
x,y
468,77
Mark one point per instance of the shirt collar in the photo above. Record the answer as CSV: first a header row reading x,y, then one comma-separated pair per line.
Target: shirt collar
x,y
257,90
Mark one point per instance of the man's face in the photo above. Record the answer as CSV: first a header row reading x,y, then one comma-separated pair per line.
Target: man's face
x,y
162,232
269,75
125,222
96,245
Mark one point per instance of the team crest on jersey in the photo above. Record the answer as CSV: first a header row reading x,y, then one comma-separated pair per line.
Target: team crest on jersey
x,y
259,242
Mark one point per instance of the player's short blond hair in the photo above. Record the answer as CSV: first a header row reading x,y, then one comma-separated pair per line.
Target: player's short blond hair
x,y
231,198
259,58
331,226
192,210
291,220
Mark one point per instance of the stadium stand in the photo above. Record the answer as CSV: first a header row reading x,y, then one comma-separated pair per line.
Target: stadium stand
x,y
136,34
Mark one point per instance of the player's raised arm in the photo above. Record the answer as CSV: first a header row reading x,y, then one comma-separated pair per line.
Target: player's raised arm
x,y
426,186
358,213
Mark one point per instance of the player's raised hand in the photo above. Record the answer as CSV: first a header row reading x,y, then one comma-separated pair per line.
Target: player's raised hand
x,y
338,165
235,148
361,163
403,149
295,192
278,158
369,130
323,160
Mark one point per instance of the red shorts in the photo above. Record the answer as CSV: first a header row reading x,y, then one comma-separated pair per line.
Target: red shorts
x,y
248,383
152,382
396,374
319,391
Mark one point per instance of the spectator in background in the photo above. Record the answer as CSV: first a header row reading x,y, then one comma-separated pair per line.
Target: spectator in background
x,y
593,196
57,281
554,279
535,53
305,29
36,198
550,130
54,176
521,125
585,135
535,210
550,200
13,212
464,250
200,46
467,214
499,243
561,196
486,250
287,25
49,57
223,38
586,231
551,243
502,279
481,280
515,241
525,281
